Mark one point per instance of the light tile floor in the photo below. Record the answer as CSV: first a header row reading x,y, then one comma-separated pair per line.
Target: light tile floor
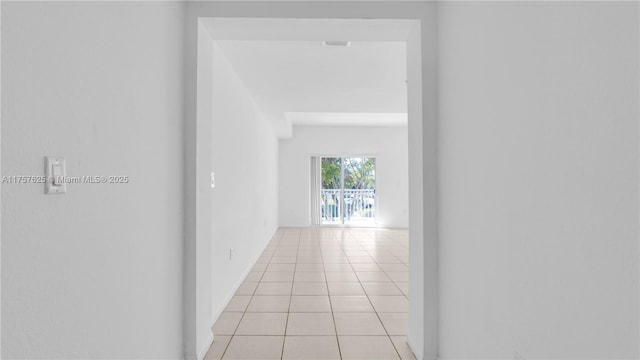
x,y
321,293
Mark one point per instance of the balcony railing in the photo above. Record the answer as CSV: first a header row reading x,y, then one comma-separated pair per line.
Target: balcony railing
x,y
358,203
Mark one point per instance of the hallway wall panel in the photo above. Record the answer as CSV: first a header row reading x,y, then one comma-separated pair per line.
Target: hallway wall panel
x,y
245,199
539,107
97,272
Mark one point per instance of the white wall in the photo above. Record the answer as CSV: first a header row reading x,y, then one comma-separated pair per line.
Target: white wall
x,y
95,273
203,268
245,199
539,180
387,144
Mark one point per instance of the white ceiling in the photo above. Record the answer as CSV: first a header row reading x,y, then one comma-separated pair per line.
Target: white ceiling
x,y
295,79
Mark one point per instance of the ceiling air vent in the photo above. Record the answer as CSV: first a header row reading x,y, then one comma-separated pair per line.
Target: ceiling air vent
x,y
336,43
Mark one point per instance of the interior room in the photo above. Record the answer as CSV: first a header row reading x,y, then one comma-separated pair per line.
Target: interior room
x,y
190,180
318,148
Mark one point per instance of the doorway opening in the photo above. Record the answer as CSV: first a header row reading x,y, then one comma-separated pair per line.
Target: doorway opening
x,y
348,193
202,27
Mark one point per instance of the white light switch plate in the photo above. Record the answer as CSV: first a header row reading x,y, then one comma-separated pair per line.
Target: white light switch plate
x,y
55,172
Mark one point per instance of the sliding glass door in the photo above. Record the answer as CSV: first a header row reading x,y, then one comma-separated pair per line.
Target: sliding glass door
x,y
348,194
359,186
331,193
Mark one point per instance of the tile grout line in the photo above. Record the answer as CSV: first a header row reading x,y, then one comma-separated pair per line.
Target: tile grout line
x,y
333,316
378,315
286,324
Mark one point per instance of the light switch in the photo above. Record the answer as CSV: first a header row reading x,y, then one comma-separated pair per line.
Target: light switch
x,y
55,173
213,180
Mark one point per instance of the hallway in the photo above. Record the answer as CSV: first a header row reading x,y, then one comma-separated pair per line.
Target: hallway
x,y
321,293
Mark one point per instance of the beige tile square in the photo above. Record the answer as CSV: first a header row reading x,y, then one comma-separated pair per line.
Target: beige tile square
x,y
264,259
387,260
227,323
310,253
309,267
310,259
273,288
238,303
254,276
283,260
400,342
289,242
217,348
254,348
375,253
310,324
259,267
356,253
395,323
277,276
350,304
381,288
345,288
262,324
310,304
269,303
341,276
358,324
394,267
247,288
389,303
281,267
309,276
335,260
367,348
311,347
361,260
370,276
286,252
329,252
366,267
309,288
398,275
337,267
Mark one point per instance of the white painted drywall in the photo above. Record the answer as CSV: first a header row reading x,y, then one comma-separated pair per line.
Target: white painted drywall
x,y
203,273
95,273
387,144
539,180
1,112
245,199
422,336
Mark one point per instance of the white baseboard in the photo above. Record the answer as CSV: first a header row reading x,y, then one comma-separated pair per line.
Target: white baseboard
x,y
418,354
215,314
207,344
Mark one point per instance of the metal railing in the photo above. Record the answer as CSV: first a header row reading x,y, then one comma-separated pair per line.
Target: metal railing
x,y
358,203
